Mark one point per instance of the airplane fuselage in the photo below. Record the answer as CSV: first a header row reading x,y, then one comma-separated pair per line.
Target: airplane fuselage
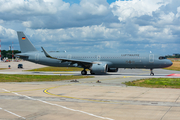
x,y
114,60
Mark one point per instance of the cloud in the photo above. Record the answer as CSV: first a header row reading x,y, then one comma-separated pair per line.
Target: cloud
x,y
94,25
54,14
1,21
86,33
136,8
32,7
7,34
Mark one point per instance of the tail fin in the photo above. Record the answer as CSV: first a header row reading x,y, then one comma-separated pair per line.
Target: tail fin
x,y
25,43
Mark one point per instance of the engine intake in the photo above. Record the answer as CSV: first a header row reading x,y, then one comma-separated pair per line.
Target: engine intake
x,y
100,68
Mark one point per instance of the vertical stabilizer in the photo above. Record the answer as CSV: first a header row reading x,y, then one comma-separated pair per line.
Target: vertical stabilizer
x,y
25,43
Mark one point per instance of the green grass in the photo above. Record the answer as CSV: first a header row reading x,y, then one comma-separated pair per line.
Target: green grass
x,y
37,78
58,69
3,68
156,83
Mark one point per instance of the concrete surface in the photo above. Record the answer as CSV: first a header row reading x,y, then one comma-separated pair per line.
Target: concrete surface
x,y
88,100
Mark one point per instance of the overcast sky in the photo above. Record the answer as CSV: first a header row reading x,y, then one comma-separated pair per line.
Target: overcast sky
x,y
134,26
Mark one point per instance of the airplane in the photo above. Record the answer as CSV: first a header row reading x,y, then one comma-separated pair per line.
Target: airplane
x,y
97,63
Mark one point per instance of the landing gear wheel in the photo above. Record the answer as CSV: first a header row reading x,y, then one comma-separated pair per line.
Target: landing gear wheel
x,y
83,72
152,74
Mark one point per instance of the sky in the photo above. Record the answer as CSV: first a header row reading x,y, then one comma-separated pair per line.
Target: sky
x,y
115,26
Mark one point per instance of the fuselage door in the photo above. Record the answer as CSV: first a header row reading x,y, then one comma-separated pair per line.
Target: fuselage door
x,y
36,57
151,58
69,56
98,57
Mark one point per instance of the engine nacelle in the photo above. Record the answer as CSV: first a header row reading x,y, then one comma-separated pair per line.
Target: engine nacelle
x,y
100,68
112,69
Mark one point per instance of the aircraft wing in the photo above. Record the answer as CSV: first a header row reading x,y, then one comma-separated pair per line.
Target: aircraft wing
x,y
68,60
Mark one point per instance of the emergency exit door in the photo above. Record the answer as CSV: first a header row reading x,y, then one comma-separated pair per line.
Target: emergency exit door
x,y
151,58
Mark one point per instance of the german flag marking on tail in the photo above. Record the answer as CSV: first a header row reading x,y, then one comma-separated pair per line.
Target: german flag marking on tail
x,y
23,38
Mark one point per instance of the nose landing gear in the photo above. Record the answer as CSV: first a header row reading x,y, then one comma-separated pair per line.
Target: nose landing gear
x,y
152,74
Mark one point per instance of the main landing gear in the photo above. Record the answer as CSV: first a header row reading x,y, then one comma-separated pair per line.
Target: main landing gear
x,y
152,74
84,72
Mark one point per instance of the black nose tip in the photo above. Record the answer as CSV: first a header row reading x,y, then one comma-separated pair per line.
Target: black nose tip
x,y
170,63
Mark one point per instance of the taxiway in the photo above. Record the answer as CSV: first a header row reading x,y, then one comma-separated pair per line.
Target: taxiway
x,y
86,99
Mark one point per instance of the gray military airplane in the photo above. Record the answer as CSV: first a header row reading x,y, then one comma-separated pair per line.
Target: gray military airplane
x,y
97,63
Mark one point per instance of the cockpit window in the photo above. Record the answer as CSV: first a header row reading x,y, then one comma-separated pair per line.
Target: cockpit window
x,y
162,57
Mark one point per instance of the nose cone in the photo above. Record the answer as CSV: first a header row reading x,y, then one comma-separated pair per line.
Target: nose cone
x,y
169,63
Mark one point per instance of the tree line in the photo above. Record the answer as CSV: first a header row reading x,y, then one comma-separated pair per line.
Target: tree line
x,y
8,53
173,56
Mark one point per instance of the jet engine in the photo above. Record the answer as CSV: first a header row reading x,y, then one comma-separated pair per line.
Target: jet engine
x,y
112,69
100,68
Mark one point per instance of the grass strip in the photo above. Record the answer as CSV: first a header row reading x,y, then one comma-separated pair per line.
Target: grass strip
x,y
156,83
175,66
37,78
57,69
3,68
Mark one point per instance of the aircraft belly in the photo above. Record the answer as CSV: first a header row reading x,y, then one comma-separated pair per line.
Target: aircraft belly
x,y
57,64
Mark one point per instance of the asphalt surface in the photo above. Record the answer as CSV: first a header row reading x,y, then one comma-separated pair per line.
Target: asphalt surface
x,y
87,99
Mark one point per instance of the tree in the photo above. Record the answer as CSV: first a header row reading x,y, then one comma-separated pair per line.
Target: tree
x,y
8,53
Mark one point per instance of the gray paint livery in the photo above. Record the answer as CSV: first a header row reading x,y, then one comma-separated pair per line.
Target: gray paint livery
x,y
97,63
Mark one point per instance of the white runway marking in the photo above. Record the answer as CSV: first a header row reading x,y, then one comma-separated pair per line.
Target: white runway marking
x,y
60,106
12,113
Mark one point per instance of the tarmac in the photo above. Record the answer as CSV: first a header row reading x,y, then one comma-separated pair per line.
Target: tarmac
x,y
87,99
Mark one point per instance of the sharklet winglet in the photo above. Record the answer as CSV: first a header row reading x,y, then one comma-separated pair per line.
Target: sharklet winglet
x,y
47,55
